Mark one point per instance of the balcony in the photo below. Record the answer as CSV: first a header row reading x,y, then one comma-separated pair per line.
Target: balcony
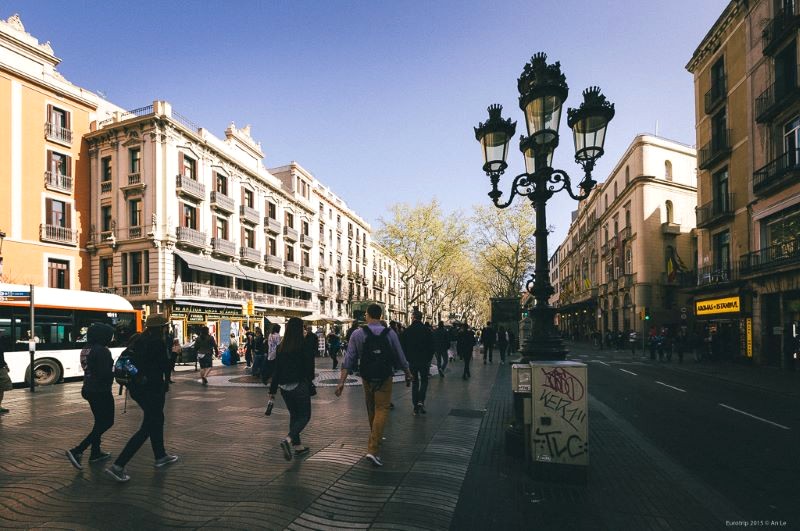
x,y
205,292
339,230
272,225
378,284
604,249
56,133
307,272
306,241
248,254
190,188
222,202
341,295
223,247
777,98
133,233
273,262
625,233
715,211
58,182
716,94
134,290
716,150
774,256
681,279
57,234
134,179
105,187
717,274
291,268
190,237
291,234
627,281
778,174
670,228
323,266
780,27
249,215
392,290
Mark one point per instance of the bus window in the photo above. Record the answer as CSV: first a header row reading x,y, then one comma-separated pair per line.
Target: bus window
x,y
53,330
123,323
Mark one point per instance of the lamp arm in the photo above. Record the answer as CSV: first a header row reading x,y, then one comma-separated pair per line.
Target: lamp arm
x,y
560,179
520,182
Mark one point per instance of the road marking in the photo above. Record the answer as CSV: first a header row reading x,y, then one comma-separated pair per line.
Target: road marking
x,y
755,417
629,372
604,363
672,387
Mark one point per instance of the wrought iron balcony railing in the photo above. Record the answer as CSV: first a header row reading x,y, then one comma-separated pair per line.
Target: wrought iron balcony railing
x,y
777,97
56,133
780,27
717,149
58,234
58,182
779,173
716,94
715,210
781,254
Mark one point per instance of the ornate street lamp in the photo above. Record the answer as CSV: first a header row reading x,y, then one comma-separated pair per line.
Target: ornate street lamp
x,y
542,93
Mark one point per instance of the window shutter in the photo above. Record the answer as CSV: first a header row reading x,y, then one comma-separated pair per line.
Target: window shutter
x,y
51,166
68,170
49,117
146,266
48,211
67,215
180,163
213,226
67,119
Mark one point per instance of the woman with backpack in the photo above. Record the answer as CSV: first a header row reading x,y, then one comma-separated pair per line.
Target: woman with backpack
x,y
273,341
206,347
294,374
148,352
98,377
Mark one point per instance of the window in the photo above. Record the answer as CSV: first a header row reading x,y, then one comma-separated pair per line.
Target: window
x,y
670,214
135,268
105,164
105,218
189,216
722,248
106,272
786,69
615,190
290,253
188,167
290,220
57,273
221,184
718,76
628,261
249,238
628,218
668,170
272,244
719,131
782,230
221,228
627,176
272,210
304,227
58,164
791,141
306,259
606,197
720,191
58,118
135,156
248,198
135,213
58,213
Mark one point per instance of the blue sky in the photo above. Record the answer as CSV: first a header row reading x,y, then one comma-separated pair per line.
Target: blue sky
x,y
378,99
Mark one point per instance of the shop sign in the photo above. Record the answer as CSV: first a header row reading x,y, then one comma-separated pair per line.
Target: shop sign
x,y
197,317
715,306
749,329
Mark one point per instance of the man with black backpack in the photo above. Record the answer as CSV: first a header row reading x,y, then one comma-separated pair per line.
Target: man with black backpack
x,y
417,342
376,350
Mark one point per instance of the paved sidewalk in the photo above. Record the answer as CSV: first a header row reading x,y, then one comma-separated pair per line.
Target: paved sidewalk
x,y
444,470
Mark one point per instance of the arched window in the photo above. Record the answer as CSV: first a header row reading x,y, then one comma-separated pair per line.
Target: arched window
x,y
670,213
668,170
628,261
627,176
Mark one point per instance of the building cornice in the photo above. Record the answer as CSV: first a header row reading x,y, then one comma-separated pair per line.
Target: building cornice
x,y
713,39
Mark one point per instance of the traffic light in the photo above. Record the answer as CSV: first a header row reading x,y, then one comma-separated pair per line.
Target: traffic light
x,y
646,313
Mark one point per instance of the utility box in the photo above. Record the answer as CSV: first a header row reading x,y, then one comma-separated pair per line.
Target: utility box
x,y
521,378
560,420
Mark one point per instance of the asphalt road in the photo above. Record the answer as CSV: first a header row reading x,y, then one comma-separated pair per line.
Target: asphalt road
x,y
742,441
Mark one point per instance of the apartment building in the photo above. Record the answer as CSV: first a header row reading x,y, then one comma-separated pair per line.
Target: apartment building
x,y
629,242
44,164
747,110
386,285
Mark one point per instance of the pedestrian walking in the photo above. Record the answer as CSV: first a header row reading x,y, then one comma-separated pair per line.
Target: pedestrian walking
x,y
488,338
259,352
5,380
98,377
512,342
502,343
206,347
334,346
465,342
652,341
632,342
149,391
418,346
294,376
273,340
378,350
441,340
248,347
174,351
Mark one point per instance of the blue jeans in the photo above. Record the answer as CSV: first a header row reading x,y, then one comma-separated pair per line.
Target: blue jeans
x,y
442,360
419,385
298,402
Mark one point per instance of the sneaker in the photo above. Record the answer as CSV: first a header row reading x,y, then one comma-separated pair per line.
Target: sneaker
x,y
102,456
4,410
391,405
166,460
74,459
416,410
286,446
374,459
205,382
299,452
118,473
421,408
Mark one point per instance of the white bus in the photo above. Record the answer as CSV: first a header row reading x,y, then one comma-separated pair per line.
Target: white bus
x,y
61,319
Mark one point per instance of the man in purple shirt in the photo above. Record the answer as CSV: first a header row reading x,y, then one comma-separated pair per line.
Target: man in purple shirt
x,y
378,394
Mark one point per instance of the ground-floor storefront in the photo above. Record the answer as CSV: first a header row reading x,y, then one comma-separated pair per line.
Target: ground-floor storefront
x,y
723,325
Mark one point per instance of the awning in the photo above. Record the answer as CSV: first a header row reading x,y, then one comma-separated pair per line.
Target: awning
x,y
299,284
262,276
275,319
209,265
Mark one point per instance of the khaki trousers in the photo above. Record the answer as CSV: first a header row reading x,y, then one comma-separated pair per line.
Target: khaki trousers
x,y
378,398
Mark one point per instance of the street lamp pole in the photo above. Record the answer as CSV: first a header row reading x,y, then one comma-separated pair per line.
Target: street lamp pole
x,y
542,92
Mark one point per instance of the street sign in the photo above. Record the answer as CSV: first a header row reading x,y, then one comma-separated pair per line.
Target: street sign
x,y
683,316
15,296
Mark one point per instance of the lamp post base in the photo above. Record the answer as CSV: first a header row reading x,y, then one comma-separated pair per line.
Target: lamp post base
x,y
545,342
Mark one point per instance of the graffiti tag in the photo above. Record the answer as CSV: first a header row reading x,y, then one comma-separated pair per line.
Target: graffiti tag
x,y
563,382
566,409
573,446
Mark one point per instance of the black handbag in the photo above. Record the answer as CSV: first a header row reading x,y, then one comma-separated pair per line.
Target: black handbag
x,y
312,389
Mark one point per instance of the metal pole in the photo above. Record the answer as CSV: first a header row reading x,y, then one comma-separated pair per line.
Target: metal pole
x,y
32,345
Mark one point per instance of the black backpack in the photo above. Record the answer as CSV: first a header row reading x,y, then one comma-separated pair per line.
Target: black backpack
x,y
376,362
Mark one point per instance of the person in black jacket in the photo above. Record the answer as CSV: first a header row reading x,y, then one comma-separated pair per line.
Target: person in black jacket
x,y
98,376
488,338
150,358
294,374
441,340
465,341
417,343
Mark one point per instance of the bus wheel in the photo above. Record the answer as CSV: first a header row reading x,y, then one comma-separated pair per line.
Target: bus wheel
x,y
46,372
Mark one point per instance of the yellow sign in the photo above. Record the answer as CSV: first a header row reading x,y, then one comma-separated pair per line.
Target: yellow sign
x,y
250,307
749,328
714,306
